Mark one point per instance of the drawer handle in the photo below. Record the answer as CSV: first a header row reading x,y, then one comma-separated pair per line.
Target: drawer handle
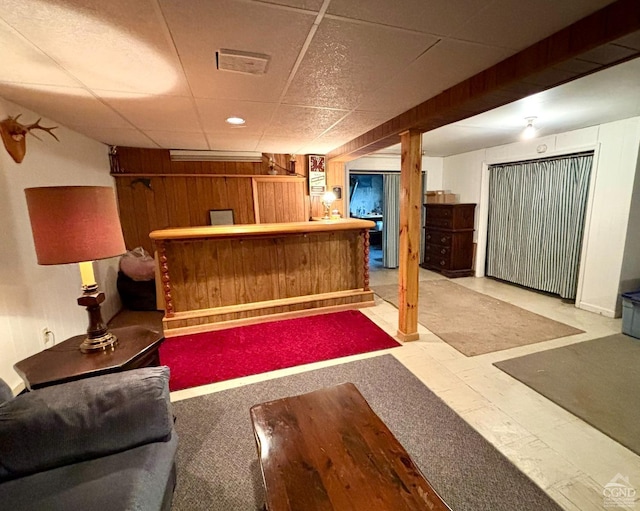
x,y
443,251
443,262
443,239
428,236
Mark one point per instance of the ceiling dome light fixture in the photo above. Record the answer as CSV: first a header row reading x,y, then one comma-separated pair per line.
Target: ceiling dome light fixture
x,y
529,131
236,121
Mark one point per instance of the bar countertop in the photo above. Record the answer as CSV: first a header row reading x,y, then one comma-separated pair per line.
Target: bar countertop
x,y
250,230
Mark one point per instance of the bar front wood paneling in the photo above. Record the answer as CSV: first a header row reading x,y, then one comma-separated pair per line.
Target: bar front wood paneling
x,y
213,277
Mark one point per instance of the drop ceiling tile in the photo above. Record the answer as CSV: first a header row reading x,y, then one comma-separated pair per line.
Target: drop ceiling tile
x,y
161,113
117,45
24,63
312,5
213,113
201,27
66,105
445,64
345,60
318,148
515,24
302,122
354,125
178,140
120,137
233,141
283,145
435,17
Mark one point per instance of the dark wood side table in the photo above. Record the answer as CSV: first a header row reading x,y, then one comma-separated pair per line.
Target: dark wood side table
x,y
327,450
137,347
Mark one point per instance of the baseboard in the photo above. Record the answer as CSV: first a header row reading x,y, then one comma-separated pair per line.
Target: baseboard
x,y
598,310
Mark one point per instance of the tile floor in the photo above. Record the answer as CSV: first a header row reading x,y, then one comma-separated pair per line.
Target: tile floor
x,y
565,456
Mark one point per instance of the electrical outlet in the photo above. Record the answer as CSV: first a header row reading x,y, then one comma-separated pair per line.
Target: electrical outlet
x,y
46,336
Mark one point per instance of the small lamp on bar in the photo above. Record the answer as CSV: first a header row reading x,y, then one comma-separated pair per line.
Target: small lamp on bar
x,y
327,199
78,224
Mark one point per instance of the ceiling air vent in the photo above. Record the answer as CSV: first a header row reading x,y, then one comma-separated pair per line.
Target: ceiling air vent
x,y
242,62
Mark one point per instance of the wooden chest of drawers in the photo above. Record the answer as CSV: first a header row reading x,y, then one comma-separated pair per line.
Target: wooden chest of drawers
x,y
448,239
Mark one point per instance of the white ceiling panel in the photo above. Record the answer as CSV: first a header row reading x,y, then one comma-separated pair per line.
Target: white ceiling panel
x,y
119,70
24,63
235,140
311,5
68,106
201,27
116,45
303,122
431,74
354,125
516,24
345,59
150,112
439,17
284,145
171,139
213,113
113,136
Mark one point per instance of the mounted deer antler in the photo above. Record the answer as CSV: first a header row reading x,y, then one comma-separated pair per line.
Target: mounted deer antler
x,y
14,133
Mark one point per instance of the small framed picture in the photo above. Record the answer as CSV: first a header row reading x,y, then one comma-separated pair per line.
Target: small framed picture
x,y
221,216
337,191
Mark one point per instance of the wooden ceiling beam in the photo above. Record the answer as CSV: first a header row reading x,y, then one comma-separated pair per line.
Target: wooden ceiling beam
x,y
605,38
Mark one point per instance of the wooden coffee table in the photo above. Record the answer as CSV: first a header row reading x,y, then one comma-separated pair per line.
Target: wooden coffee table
x,y
137,347
328,450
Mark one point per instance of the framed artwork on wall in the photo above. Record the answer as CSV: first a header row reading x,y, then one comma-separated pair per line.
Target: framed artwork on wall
x,y
317,175
221,216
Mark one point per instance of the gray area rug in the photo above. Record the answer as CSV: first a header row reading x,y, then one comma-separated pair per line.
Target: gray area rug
x,y
218,463
599,381
475,323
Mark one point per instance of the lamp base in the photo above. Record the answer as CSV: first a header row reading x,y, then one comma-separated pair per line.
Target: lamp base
x,y
106,342
98,337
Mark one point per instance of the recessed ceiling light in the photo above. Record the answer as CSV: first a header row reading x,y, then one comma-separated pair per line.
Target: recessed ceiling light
x,y
235,120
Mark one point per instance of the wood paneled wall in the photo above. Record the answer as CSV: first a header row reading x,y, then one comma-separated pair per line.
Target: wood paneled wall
x,y
151,203
157,193
279,201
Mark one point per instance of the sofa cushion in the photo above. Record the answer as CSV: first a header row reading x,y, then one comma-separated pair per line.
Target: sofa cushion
x,y
81,420
5,392
138,479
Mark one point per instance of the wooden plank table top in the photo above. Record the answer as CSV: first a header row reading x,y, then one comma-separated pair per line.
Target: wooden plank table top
x,y
137,347
328,450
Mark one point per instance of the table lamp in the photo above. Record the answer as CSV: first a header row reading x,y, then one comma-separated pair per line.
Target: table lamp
x,y
78,224
327,199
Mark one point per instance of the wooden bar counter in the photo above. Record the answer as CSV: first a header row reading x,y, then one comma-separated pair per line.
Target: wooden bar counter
x,y
215,277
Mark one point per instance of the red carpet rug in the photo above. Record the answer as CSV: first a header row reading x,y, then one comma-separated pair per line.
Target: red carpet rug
x,y
210,357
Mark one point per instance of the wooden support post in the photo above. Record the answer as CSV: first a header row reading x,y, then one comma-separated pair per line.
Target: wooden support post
x,y
410,205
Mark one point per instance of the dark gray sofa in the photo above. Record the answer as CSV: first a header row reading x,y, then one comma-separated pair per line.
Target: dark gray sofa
x,y
105,443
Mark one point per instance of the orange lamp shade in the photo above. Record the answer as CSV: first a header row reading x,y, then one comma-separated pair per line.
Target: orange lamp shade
x,y
71,224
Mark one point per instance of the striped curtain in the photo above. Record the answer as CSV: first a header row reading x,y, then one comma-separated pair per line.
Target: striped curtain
x,y
391,225
536,222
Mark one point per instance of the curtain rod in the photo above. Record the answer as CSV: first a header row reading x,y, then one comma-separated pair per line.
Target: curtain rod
x,y
547,158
